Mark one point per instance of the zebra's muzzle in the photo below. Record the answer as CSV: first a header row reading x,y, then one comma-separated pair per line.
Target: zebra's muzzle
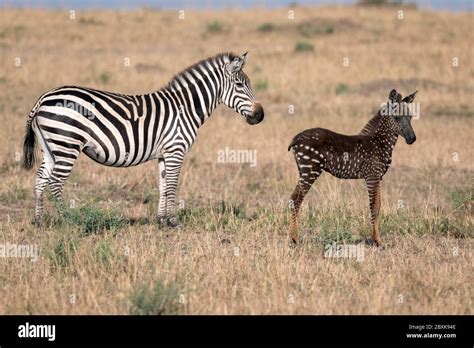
x,y
257,114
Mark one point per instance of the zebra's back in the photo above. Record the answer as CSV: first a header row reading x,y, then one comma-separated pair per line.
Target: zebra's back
x,y
111,128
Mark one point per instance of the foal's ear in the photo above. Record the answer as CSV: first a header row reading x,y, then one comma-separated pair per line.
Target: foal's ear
x,y
410,98
237,64
394,96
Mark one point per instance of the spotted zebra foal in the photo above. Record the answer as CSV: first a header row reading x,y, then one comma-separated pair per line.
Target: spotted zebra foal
x,y
364,156
121,130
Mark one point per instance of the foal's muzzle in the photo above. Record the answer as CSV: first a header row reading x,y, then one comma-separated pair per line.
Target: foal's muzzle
x,y
410,139
257,114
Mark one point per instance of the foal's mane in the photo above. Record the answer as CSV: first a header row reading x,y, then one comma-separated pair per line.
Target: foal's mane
x,y
372,125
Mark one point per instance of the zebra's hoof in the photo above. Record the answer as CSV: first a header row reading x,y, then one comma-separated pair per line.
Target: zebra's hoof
x,y
161,220
173,222
37,222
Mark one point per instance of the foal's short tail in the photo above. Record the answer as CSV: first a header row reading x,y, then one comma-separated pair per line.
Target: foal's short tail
x,y
29,154
293,143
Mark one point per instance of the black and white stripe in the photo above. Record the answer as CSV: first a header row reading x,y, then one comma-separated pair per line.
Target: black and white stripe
x,y
126,130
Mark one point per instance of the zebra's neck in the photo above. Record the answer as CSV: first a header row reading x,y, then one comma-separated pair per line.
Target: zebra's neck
x,y
197,90
189,99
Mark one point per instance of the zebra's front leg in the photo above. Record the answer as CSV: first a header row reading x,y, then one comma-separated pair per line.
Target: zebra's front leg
x,y
161,216
170,169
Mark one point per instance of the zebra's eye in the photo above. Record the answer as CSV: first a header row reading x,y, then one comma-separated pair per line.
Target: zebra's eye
x,y
239,84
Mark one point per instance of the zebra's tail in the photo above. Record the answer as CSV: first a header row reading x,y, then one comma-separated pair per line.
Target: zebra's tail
x,y
29,142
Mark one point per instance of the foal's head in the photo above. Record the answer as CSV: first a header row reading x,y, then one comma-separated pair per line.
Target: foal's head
x,y
399,116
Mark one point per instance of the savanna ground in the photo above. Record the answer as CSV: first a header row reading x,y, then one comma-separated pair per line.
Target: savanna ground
x,y
106,254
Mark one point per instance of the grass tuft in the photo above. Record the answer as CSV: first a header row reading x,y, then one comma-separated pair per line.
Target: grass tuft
x,y
302,46
214,27
160,299
89,219
266,27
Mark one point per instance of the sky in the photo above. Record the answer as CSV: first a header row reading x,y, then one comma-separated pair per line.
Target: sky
x,y
450,5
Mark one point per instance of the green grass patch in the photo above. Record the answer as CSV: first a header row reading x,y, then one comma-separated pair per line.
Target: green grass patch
x,y
14,195
105,77
404,222
90,21
342,88
214,27
62,251
462,199
309,29
266,27
336,226
13,31
261,85
222,216
89,219
303,46
159,299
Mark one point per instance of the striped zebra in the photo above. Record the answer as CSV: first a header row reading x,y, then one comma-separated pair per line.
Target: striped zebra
x,y
121,130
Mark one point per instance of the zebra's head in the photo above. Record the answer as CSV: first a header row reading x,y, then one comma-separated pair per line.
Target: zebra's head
x,y
238,93
400,115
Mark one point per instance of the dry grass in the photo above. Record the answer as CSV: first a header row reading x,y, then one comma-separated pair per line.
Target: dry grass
x,y
234,255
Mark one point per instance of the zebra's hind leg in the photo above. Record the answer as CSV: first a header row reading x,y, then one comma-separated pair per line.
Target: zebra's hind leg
x,y
42,178
59,175
172,163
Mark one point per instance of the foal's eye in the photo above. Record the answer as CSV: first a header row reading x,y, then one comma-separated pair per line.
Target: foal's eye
x,y
239,84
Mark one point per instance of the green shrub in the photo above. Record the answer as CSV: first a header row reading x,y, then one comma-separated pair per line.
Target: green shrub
x,y
329,29
105,77
261,85
160,299
462,199
90,219
302,46
62,251
342,88
266,27
214,27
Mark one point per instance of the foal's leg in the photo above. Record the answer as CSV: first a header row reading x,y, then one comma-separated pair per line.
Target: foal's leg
x,y
373,185
308,174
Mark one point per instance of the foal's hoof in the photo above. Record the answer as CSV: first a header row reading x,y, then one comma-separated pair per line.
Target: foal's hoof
x,y
374,242
173,222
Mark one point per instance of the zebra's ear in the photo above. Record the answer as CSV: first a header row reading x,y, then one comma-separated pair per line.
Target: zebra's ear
x,y
237,64
244,58
410,98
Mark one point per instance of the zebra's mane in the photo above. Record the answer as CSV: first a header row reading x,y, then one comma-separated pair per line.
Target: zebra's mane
x,y
218,57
